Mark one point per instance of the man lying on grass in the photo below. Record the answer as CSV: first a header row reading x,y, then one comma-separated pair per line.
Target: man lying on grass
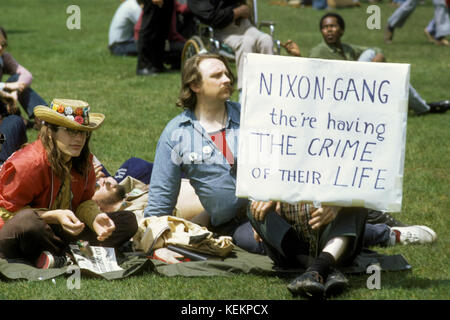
x,y
129,193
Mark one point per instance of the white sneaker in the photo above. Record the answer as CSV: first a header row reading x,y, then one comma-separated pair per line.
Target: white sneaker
x,y
416,234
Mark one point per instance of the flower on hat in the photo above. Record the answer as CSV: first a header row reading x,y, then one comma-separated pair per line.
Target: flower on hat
x,y
72,114
79,111
79,119
78,114
68,111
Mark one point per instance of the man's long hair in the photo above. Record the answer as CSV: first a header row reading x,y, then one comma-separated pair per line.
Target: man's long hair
x,y
187,98
55,157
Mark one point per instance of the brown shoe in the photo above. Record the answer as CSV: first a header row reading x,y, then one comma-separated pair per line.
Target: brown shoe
x,y
443,42
388,34
430,38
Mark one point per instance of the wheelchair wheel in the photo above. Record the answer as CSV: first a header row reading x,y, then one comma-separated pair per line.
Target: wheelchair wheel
x,y
193,46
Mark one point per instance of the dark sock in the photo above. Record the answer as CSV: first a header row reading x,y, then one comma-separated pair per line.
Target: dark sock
x,y
322,264
304,260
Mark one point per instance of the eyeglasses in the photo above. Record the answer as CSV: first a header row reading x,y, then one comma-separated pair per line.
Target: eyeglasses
x,y
73,132
2,138
4,44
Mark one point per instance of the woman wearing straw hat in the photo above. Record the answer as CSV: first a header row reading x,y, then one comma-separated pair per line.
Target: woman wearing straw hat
x,y
46,189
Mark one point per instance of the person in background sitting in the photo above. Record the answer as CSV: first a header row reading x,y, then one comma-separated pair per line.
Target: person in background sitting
x,y
18,86
121,41
332,27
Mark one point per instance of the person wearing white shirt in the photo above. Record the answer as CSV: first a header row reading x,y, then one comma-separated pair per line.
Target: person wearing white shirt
x,y
121,40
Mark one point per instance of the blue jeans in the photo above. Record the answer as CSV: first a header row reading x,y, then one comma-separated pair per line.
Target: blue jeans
x,y
241,231
415,101
243,237
441,16
127,48
319,4
28,99
377,235
136,168
15,133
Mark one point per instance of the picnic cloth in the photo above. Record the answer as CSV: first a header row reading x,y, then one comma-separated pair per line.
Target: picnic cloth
x,y
238,262
16,270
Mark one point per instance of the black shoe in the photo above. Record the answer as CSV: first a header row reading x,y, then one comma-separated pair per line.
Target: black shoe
x,y
374,217
336,283
309,285
439,107
152,71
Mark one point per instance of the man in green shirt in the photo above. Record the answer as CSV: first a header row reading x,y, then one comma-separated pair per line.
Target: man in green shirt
x,y
332,27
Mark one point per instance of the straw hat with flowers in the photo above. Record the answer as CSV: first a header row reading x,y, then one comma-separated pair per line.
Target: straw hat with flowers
x,y
72,114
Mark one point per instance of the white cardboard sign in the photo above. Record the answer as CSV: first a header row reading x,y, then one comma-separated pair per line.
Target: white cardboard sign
x,y
323,131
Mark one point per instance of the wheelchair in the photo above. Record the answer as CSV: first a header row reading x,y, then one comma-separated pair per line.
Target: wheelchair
x,y
204,40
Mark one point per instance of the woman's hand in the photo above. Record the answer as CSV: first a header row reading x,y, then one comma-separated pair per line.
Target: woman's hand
x,y
259,209
103,226
323,216
98,171
66,218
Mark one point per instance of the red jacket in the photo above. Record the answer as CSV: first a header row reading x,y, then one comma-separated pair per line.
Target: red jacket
x,y
26,179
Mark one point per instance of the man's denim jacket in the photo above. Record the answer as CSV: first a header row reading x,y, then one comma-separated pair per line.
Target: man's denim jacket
x,y
185,148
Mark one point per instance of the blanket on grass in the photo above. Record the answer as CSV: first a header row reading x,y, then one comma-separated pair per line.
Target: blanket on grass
x,y
239,261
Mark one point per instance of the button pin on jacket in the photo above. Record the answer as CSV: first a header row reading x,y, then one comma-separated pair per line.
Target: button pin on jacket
x,y
193,156
207,150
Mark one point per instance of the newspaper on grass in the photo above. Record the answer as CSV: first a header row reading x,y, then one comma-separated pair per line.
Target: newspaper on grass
x,y
100,260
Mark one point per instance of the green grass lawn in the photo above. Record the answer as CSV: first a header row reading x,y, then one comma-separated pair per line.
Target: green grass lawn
x,y
76,64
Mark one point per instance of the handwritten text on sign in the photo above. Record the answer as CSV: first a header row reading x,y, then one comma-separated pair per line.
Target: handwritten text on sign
x,y
323,131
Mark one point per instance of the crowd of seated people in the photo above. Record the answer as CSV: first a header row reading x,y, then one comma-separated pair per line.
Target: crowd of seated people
x,y
54,191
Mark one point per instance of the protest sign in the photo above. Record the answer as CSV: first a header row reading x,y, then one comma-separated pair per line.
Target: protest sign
x,y
323,131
